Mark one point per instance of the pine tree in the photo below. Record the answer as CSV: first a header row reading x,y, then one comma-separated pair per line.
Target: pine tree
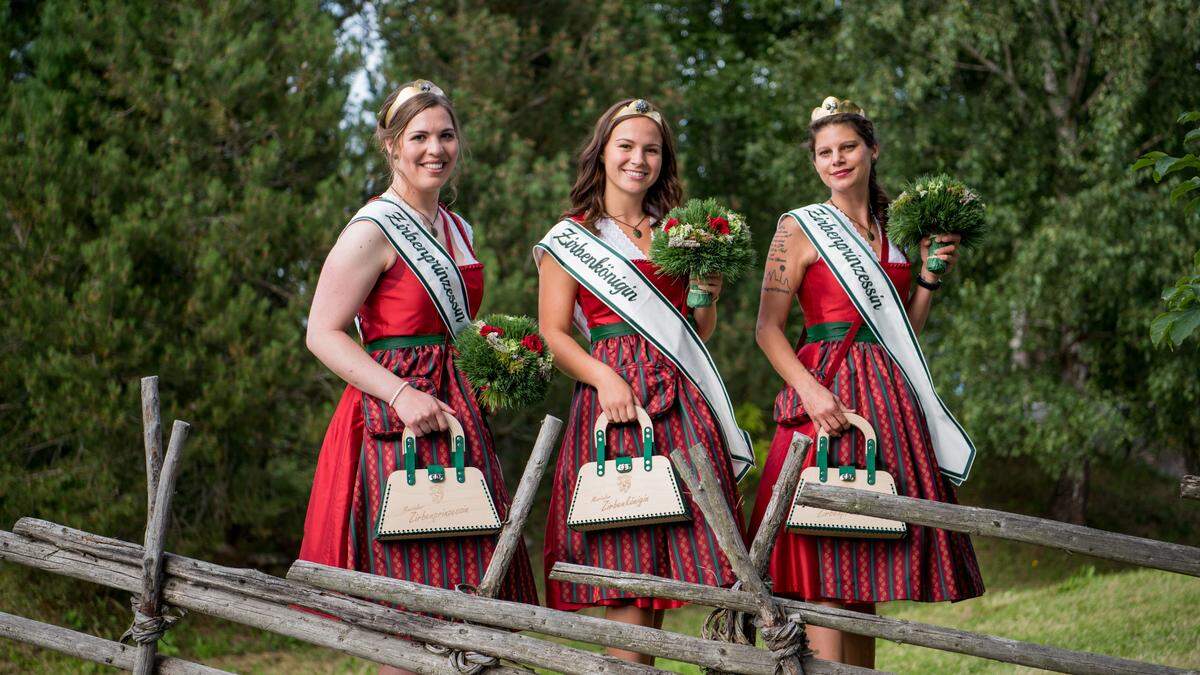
x,y
171,179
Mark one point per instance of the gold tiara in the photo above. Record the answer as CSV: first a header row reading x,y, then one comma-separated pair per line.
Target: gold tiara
x,y
832,105
418,87
639,107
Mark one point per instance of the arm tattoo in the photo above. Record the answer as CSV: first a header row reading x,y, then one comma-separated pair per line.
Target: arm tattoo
x,y
775,277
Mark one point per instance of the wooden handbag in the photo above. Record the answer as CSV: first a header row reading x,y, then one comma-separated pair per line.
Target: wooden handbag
x,y
422,503
619,492
823,522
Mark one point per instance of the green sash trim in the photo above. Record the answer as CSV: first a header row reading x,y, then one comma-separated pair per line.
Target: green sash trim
x,y
402,341
835,331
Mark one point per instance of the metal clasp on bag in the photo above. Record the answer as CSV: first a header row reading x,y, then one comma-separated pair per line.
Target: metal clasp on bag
x,y
437,473
624,464
847,472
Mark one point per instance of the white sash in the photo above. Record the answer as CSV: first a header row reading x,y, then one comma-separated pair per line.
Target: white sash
x,y
862,277
426,257
620,285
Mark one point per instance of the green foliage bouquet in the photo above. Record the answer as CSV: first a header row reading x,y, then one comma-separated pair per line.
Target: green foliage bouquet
x,y
702,238
933,205
505,359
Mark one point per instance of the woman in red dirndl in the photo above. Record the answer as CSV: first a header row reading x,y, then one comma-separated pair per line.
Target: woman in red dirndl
x,y
407,365
627,180
927,564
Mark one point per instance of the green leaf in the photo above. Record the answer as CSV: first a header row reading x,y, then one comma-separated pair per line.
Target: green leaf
x,y
1186,117
1147,159
1184,324
1159,327
1193,135
1181,190
1163,165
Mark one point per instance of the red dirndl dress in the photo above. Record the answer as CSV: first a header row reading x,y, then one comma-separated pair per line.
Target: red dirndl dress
x,y
353,467
927,564
686,551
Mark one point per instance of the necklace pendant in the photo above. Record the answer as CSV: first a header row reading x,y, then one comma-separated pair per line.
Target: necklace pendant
x,y
870,235
637,234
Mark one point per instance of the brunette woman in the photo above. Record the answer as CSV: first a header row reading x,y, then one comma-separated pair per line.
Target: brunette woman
x,y
837,259
402,376
627,183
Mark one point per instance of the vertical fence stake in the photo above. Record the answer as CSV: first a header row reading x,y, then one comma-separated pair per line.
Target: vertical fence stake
x,y
148,619
706,491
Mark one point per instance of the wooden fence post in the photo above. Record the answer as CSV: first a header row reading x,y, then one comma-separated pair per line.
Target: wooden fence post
x,y
510,537
734,626
702,480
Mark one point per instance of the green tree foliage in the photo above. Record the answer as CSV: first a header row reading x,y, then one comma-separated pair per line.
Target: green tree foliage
x,y
1182,318
170,180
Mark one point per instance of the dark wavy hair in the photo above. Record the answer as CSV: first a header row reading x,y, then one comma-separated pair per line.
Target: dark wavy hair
x,y
877,196
587,195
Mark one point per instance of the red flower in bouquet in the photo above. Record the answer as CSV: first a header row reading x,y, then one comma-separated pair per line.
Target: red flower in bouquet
x,y
718,225
671,223
533,343
490,330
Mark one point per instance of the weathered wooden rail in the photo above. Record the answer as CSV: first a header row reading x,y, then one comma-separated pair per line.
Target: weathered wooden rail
x,y
991,523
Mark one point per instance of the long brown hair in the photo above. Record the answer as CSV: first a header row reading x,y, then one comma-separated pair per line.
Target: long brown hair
x,y
415,105
877,197
587,195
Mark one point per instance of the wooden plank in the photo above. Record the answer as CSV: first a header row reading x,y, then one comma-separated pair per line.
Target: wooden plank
x,y
1189,487
511,534
780,503
369,615
701,479
519,616
380,647
990,523
90,647
149,603
897,630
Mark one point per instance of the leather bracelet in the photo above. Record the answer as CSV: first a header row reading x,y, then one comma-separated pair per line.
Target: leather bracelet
x,y
392,402
932,286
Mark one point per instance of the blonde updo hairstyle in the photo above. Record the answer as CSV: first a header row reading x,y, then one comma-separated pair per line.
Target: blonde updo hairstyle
x,y
393,129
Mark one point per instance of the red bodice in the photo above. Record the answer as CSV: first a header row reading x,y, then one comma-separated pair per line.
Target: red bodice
x,y
400,305
674,289
823,301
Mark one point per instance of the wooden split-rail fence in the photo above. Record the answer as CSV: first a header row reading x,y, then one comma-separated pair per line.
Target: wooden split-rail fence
x,y
471,631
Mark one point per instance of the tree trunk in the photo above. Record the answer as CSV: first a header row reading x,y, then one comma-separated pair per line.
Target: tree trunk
x,y
1071,494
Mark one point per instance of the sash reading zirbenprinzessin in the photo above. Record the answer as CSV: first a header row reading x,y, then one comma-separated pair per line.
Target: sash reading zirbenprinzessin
x,y
620,285
862,277
426,257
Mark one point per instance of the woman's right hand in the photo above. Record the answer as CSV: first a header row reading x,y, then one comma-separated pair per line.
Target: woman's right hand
x,y
616,398
421,412
825,409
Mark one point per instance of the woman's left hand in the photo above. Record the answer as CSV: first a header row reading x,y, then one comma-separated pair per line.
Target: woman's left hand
x,y
711,283
948,252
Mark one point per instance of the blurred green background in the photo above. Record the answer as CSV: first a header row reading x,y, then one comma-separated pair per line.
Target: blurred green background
x,y
172,176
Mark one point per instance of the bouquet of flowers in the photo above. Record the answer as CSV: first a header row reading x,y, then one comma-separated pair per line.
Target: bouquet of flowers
x,y
933,205
506,361
702,238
